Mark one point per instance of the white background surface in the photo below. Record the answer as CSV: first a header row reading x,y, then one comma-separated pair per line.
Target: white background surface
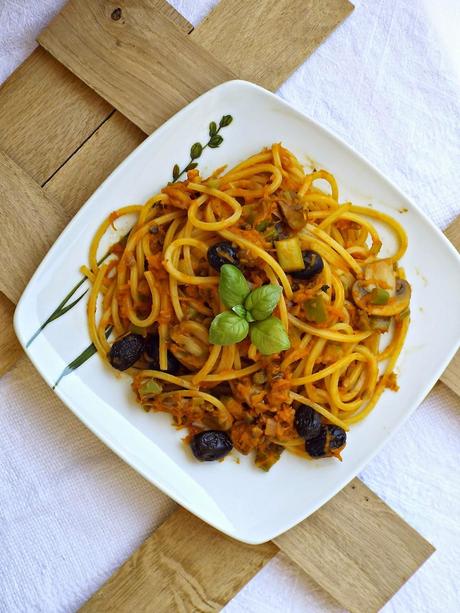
x,y
388,82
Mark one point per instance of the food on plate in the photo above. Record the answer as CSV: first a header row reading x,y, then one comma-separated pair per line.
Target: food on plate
x,y
253,307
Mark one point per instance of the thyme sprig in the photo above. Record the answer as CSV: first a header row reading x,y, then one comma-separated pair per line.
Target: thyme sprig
x,y
215,140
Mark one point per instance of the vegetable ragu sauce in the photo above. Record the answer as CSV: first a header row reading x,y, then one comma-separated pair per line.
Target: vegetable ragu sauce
x,y
254,308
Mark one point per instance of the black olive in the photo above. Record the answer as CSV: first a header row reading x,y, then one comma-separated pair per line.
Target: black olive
x,y
330,438
126,351
211,445
152,349
316,446
313,265
307,422
337,437
223,253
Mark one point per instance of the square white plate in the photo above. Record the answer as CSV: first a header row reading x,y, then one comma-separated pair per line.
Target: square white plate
x,y
238,499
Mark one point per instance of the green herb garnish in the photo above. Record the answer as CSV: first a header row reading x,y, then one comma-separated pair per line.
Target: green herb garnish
x,y
251,313
215,140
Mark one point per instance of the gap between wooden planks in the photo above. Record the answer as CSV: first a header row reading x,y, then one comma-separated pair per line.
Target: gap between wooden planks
x,y
168,572
79,193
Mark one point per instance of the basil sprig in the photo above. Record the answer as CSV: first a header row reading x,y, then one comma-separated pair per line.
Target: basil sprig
x,y
251,312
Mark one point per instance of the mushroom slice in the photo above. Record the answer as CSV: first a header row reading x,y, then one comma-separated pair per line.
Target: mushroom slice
x,y
362,295
188,345
381,273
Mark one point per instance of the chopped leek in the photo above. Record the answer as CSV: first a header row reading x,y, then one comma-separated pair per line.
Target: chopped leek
x,y
150,387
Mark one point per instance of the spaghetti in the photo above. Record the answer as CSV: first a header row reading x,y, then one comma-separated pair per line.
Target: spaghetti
x,y
272,226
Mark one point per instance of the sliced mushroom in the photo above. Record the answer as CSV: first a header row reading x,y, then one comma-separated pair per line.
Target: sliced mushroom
x,y
292,210
189,346
381,274
362,295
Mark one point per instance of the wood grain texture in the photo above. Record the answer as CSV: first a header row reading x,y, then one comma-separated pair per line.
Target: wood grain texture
x,y
361,560
266,40
141,62
74,183
10,349
46,112
184,566
28,216
372,549
453,233
451,376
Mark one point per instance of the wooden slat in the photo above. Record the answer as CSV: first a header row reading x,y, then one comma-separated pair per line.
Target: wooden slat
x,y
93,162
362,560
265,40
372,550
10,350
184,566
451,376
453,233
21,199
141,63
46,112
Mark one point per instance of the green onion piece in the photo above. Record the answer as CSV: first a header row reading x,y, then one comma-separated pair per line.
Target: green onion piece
x,y
272,234
263,225
191,312
249,213
149,387
316,310
379,296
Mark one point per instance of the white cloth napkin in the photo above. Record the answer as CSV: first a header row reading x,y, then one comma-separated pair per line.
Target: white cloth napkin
x,y
387,81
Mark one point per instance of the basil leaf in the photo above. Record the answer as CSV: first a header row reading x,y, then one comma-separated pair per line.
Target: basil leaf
x,y
233,287
261,301
239,310
227,328
269,336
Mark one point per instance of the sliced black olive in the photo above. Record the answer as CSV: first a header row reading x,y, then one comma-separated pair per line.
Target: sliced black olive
x,y
152,349
313,265
223,253
330,439
307,422
211,445
126,351
316,446
337,437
